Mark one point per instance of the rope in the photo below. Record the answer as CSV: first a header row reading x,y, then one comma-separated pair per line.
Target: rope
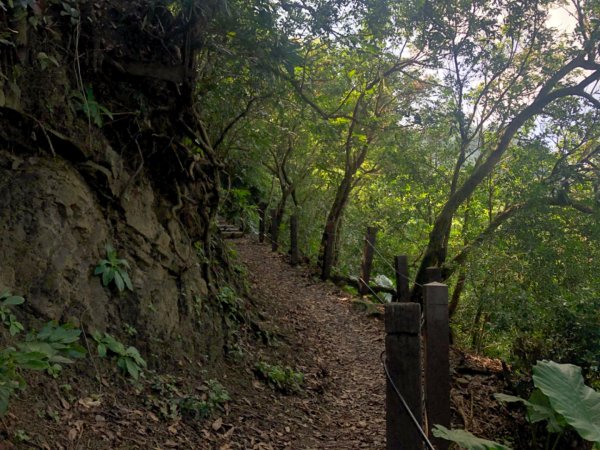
x,y
385,260
404,404
383,257
372,291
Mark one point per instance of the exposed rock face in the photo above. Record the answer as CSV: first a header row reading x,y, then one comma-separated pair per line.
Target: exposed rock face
x,y
53,231
75,176
51,236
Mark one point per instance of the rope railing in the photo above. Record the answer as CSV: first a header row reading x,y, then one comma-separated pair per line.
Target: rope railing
x,y
267,236
386,261
372,291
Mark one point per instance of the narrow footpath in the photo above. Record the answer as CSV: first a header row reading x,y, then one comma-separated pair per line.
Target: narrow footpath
x,y
335,345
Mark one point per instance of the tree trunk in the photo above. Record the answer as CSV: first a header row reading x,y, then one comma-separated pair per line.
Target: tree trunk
x,y
476,330
279,211
333,222
458,289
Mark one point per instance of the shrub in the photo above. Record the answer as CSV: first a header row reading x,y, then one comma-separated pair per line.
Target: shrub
x,y
284,379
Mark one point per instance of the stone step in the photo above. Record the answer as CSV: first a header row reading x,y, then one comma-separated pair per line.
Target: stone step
x,y
232,234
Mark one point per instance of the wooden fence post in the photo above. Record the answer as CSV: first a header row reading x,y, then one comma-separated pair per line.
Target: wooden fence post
x,y
294,252
403,357
437,359
434,275
262,210
402,289
274,231
367,261
329,251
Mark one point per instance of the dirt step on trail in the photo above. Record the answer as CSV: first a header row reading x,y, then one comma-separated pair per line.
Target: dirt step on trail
x,y
335,345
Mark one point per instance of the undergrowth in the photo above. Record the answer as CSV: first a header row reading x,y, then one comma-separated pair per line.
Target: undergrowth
x,y
281,378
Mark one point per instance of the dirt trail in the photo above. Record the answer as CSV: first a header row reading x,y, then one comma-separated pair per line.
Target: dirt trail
x,y
336,346
301,322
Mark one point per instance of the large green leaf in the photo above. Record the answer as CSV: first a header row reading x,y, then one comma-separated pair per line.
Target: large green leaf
x,y
107,276
538,409
569,396
541,409
466,439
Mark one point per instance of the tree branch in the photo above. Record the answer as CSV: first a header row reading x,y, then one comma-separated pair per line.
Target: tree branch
x,y
231,124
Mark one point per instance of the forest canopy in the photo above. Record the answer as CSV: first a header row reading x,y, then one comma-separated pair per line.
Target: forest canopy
x,y
466,132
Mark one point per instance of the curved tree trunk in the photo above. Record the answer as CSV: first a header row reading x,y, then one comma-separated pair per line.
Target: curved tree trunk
x,y
330,244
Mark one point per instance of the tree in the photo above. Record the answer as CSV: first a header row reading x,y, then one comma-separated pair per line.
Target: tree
x,y
357,91
506,69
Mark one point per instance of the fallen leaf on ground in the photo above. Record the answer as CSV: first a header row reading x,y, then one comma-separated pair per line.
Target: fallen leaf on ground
x,y
217,424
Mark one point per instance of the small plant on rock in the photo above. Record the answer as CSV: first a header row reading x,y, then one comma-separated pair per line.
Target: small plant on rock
x,y
231,306
129,359
7,300
114,269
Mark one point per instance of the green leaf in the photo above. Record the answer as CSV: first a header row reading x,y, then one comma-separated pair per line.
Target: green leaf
x,y
135,354
101,350
7,388
538,409
110,251
61,360
114,345
76,350
119,281
569,396
15,327
127,280
13,301
33,360
132,368
465,439
108,276
43,348
106,111
97,336
99,269
541,409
